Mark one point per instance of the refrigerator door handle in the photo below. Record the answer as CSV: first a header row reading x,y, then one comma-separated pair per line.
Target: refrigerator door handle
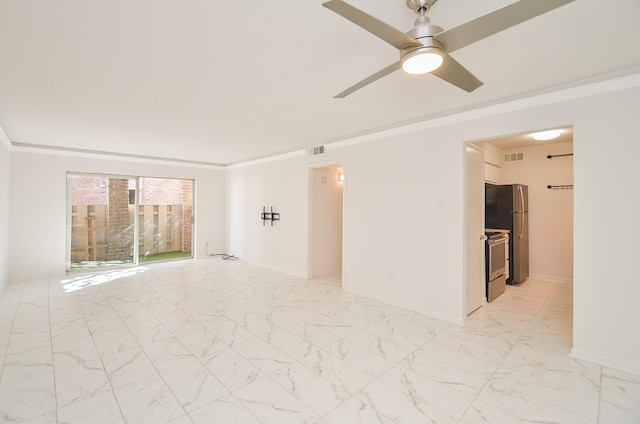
x,y
521,232
520,212
521,198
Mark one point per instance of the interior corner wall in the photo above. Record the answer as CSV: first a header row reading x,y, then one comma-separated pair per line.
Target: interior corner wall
x,y
399,194
284,185
4,216
38,206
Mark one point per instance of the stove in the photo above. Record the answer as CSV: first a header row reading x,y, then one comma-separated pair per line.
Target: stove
x,y
495,263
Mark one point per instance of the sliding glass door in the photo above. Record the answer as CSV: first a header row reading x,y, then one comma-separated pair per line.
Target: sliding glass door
x,y
120,220
165,212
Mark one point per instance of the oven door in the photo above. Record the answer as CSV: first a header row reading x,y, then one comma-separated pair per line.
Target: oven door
x,y
497,258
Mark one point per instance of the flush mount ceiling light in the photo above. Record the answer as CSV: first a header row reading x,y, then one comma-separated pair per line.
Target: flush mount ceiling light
x,y
546,135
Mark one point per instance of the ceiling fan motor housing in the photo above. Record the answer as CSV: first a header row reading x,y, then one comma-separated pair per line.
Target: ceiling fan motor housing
x,y
423,32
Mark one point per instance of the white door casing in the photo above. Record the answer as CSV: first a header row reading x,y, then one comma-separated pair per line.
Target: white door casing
x,y
475,267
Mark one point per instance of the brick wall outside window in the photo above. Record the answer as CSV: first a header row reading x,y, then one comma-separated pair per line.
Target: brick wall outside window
x,y
88,190
119,228
160,191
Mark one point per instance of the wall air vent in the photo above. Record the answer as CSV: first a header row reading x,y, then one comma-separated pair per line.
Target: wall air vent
x,y
514,157
315,151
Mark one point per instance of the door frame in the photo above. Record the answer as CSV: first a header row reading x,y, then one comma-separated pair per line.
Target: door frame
x,y
471,239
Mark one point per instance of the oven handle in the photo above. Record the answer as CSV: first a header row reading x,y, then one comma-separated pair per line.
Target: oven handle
x,y
497,241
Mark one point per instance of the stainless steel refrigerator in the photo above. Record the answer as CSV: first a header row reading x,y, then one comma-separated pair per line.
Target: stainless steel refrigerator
x,y
507,208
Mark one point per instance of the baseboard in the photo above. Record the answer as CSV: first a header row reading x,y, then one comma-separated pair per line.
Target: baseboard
x,y
633,368
3,287
430,313
552,278
282,270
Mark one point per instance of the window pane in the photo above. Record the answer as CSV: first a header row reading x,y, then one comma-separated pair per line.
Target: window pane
x,y
165,216
101,221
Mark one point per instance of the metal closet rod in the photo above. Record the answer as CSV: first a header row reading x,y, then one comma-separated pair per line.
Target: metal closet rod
x,y
557,156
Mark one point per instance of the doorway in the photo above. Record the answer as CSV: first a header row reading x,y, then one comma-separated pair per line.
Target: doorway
x,y
546,167
326,221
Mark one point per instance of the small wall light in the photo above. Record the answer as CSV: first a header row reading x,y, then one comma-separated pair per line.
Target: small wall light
x,y
340,176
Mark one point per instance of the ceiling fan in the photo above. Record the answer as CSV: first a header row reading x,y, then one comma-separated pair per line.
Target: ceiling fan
x,y
426,47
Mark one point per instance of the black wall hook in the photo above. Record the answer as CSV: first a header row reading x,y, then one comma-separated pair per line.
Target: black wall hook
x,y
559,156
560,187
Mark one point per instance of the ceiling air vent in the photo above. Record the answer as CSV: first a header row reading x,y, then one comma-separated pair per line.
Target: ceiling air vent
x,y
317,150
514,157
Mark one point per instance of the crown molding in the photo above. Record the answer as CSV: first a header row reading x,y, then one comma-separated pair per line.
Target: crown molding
x,y
582,89
98,154
621,80
281,156
625,79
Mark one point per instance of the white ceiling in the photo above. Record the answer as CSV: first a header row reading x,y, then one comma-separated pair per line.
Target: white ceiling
x,y
225,82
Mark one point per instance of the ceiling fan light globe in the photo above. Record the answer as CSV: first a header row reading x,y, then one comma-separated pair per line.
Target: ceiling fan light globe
x,y
421,62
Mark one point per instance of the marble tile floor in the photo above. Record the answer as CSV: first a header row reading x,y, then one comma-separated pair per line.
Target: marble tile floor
x,y
215,341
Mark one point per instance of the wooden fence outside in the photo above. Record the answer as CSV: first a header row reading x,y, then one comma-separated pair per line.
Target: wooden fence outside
x,y
161,230
89,237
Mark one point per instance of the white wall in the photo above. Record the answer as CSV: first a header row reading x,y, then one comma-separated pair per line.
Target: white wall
x,y
4,216
404,222
38,207
326,221
404,216
285,186
550,211
606,248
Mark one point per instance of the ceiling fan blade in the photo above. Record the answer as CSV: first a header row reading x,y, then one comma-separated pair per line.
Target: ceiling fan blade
x,y
494,22
381,73
456,74
395,37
